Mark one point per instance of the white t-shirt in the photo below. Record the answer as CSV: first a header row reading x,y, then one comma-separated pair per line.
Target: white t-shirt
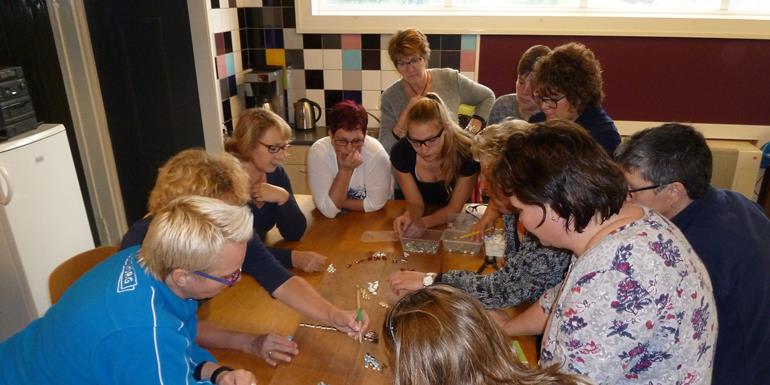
x,y
371,181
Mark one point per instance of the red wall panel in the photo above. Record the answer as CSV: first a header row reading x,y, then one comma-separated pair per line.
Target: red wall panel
x,y
663,79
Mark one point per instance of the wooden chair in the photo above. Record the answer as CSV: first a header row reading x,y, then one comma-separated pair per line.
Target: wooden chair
x,y
70,270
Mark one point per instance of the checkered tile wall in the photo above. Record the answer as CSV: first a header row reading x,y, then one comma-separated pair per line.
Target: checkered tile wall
x,y
324,68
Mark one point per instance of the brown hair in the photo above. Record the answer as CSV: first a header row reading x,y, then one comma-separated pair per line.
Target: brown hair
x,y
252,126
410,41
440,335
196,172
529,57
457,142
573,70
559,164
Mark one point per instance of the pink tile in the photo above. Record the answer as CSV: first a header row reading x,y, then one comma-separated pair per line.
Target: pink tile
x,y
351,41
219,38
468,61
221,67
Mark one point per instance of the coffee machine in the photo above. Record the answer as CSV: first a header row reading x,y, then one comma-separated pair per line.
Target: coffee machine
x,y
264,89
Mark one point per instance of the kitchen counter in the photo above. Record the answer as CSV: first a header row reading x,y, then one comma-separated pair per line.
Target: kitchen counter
x,y
308,137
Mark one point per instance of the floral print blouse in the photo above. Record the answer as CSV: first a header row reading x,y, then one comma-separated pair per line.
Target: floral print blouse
x,y
636,308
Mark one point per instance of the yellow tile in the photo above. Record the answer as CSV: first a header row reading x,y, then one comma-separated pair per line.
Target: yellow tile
x,y
275,57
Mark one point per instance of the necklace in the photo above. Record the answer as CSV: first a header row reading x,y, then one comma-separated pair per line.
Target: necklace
x,y
414,91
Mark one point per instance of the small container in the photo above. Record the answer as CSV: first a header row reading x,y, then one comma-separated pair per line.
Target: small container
x,y
453,244
426,242
494,242
461,221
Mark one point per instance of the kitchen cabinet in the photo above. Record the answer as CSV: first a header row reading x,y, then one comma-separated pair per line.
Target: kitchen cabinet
x,y
295,165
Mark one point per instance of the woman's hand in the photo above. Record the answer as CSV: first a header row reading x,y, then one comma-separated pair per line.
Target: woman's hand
x,y
266,192
351,161
345,321
271,348
405,281
402,222
236,377
308,261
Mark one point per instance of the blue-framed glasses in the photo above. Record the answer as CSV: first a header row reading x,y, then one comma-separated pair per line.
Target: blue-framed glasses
x,y
228,280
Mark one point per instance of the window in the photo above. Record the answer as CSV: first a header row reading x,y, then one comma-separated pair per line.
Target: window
x,y
676,18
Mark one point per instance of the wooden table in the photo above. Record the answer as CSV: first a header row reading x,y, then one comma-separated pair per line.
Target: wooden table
x,y
326,355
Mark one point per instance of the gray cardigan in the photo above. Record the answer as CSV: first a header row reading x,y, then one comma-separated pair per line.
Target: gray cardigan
x,y
452,86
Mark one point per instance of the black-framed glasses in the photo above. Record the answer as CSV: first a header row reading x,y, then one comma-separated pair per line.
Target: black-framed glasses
x,y
549,102
344,142
634,190
426,142
275,148
413,61
228,280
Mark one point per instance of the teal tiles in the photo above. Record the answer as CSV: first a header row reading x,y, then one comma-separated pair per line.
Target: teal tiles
x,y
351,59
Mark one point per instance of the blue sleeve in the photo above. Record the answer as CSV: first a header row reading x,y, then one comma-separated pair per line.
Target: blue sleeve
x,y
282,255
608,137
149,356
290,220
264,267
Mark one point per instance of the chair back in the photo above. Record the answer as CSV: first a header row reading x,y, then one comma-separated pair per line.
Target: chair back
x,y
70,270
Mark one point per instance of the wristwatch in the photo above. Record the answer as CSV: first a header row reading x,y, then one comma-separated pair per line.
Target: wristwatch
x,y
427,279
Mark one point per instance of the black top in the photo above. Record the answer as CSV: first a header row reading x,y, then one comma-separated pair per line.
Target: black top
x,y
288,217
404,158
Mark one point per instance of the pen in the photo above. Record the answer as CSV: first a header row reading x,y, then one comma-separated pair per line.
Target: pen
x,y
359,311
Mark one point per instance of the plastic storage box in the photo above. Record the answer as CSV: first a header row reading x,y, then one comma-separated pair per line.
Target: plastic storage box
x,y
426,242
453,244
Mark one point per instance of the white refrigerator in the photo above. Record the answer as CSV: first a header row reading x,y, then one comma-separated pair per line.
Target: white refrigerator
x,y
43,221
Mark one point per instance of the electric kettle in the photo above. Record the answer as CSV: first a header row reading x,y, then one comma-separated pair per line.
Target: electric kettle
x,y
305,115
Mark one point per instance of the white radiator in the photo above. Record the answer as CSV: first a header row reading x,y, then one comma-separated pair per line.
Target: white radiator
x,y
736,165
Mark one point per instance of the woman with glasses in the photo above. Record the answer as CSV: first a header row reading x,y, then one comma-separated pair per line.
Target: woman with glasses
x,y
520,105
637,304
196,172
433,165
442,336
348,170
530,268
260,141
132,319
409,51
567,84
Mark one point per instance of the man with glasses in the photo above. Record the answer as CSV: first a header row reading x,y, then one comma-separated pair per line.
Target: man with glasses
x,y
132,319
668,169
348,170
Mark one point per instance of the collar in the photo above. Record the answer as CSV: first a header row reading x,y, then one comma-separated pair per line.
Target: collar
x,y
690,213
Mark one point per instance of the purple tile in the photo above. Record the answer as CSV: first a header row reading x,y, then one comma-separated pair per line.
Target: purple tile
x,y
233,87
219,41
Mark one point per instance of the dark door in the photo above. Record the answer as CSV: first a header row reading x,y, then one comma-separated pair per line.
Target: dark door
x,y
144,57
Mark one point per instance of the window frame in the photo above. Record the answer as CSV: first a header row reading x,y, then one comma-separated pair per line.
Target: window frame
x,y
540,21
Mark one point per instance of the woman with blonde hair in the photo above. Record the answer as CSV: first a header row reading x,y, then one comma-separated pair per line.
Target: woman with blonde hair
x,y
261,141
196,172
440,335
433,165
